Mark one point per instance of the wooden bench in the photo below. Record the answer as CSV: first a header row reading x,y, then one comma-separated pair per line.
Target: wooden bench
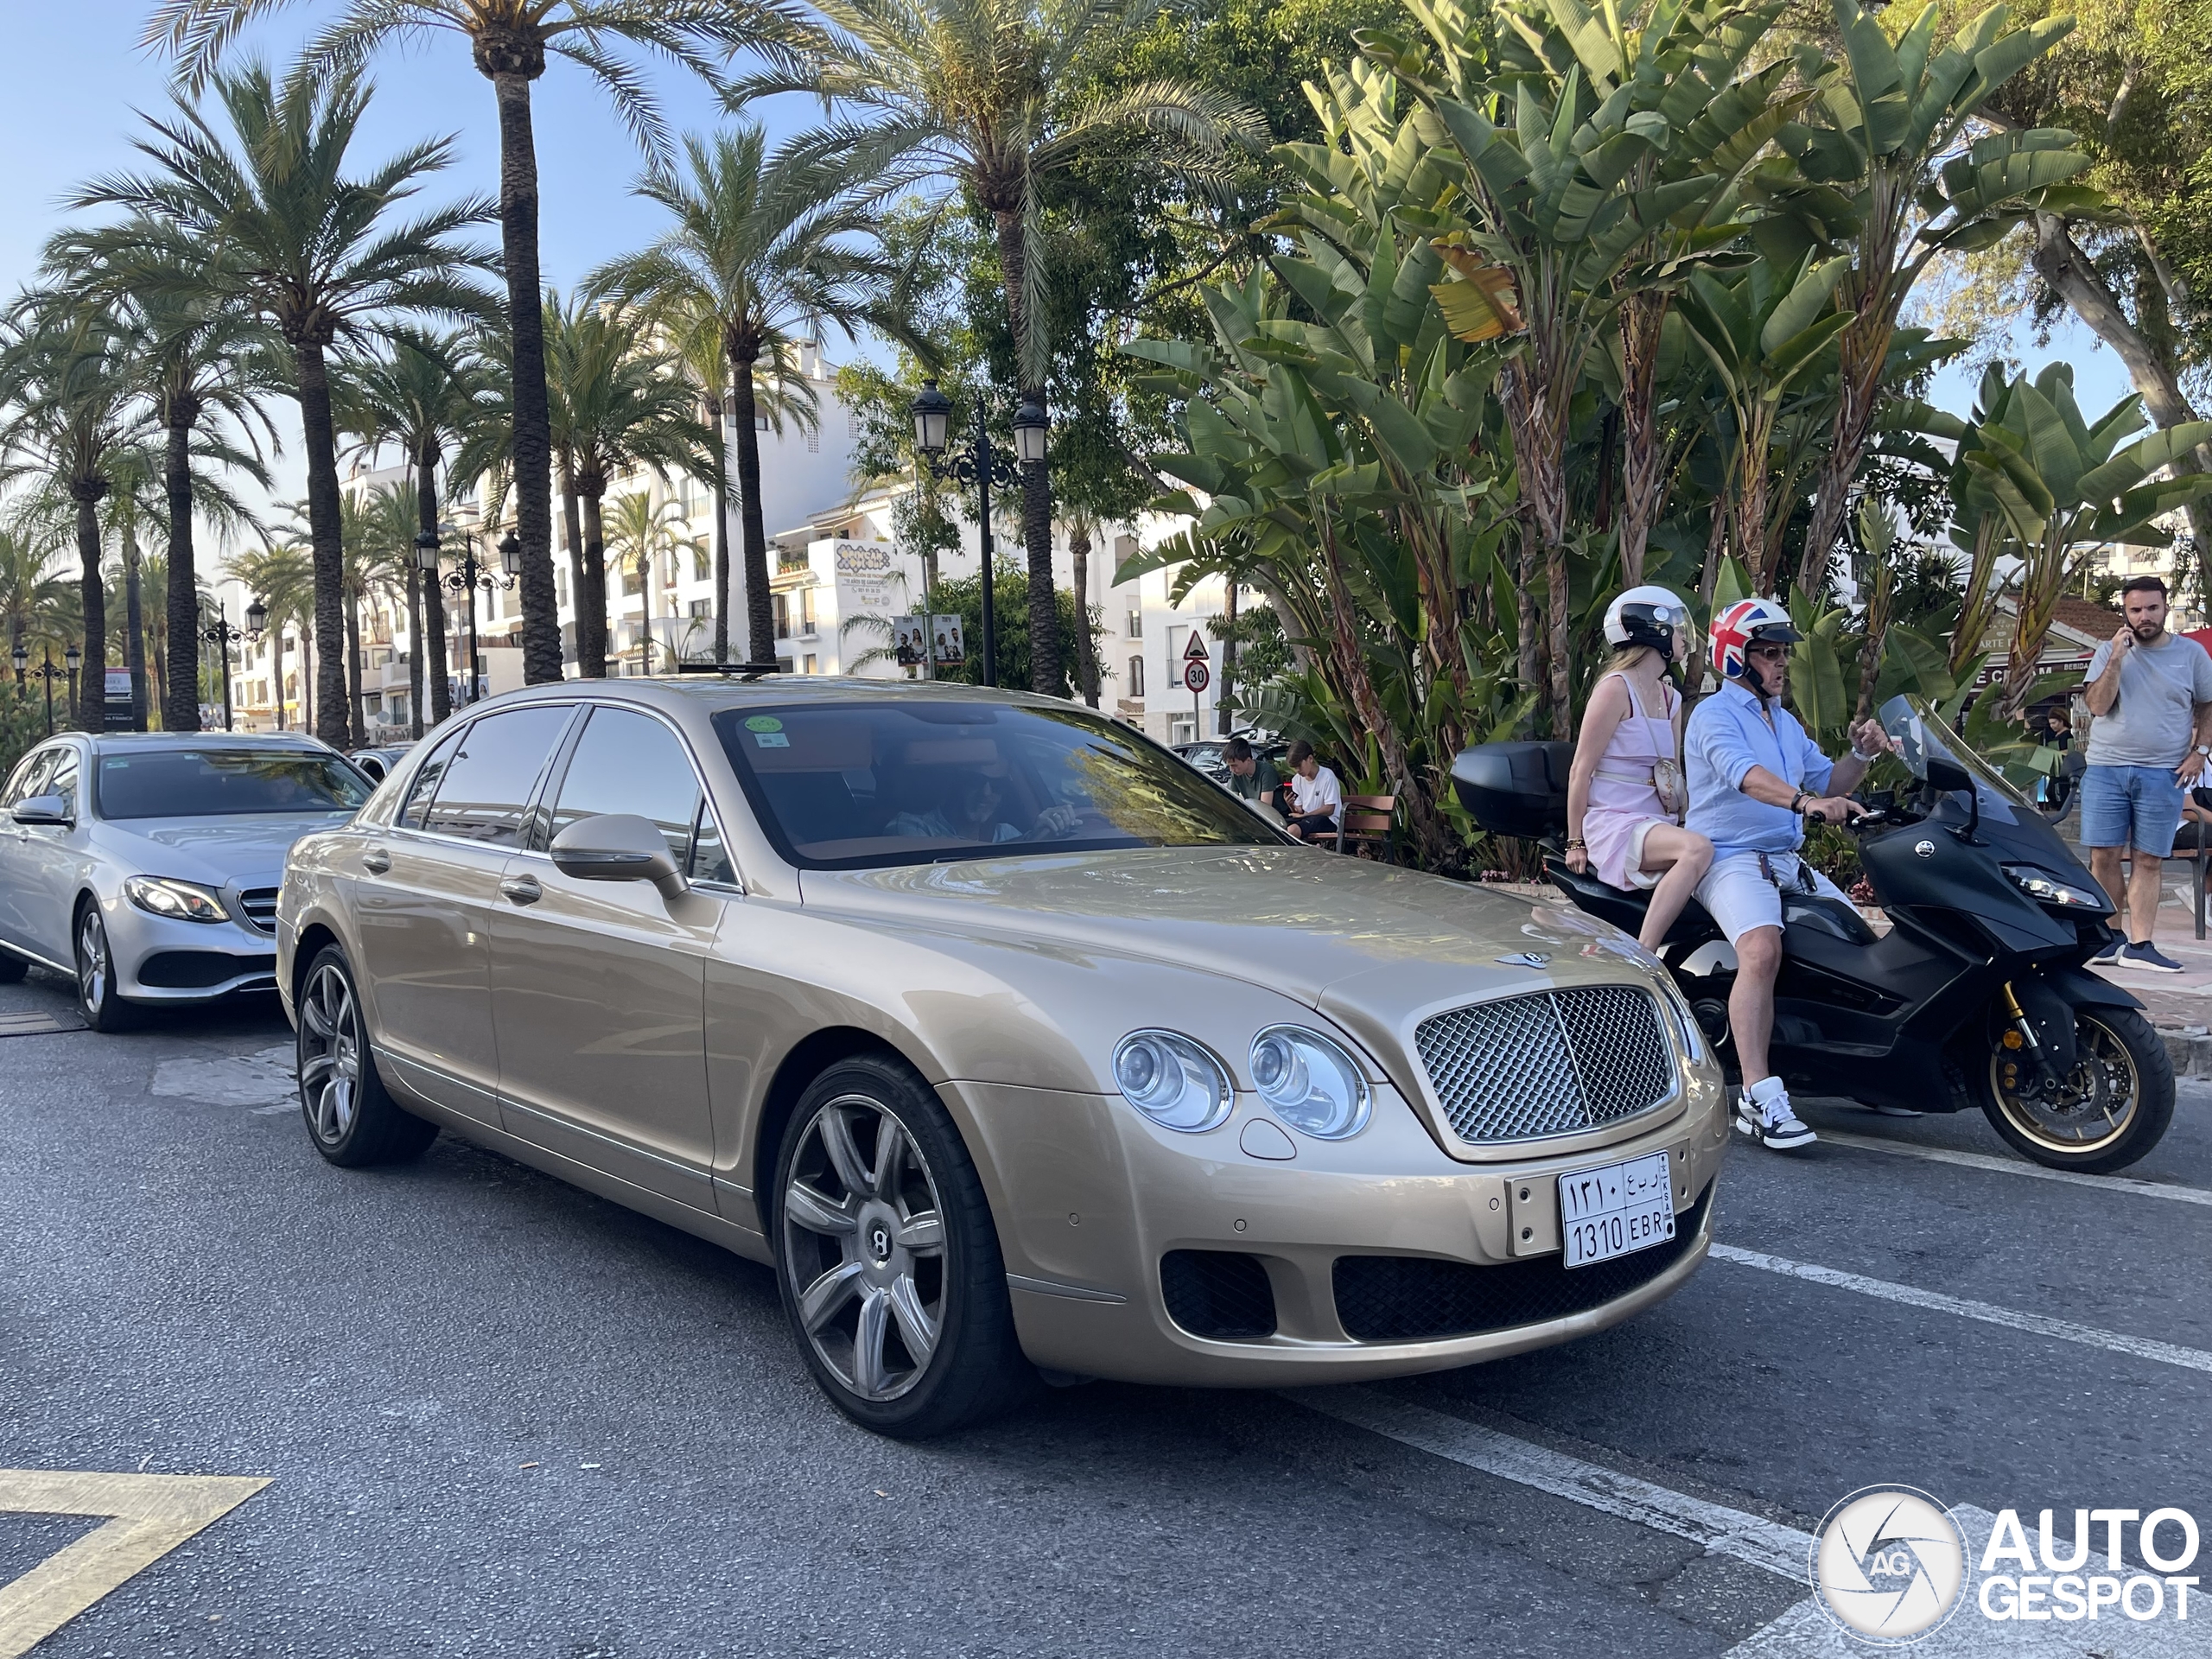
x,y
1365,824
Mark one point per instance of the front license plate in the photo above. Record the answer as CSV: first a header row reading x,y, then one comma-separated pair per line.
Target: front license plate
x,y
1615,1209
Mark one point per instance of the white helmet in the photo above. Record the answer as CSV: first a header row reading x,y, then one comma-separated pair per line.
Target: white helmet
x,y
1646,616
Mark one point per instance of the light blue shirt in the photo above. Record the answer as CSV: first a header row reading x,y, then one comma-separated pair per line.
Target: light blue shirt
x,y
1727,737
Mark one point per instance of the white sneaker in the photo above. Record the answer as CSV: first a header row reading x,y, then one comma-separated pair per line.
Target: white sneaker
x,y
1762,1112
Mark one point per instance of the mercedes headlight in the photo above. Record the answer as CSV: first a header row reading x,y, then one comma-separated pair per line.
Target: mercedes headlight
x,y
2045,888
180,901
1309,1082
1171,1080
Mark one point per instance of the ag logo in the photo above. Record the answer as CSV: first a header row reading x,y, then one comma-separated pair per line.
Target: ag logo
x,y
1888,1564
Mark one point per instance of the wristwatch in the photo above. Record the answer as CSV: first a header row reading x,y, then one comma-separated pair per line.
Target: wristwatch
x,y
1798,805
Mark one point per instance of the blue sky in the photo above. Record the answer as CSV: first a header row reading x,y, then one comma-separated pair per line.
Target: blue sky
x,y
68,98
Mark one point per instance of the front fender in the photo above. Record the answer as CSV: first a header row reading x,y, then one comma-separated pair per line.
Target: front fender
x,y
2082,989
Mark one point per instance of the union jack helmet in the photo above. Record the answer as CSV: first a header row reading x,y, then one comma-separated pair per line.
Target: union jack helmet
x,y
1739,625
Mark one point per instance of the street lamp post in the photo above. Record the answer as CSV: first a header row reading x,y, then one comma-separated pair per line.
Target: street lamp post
x,y
469,576
979,466
21,658
220,634
74,658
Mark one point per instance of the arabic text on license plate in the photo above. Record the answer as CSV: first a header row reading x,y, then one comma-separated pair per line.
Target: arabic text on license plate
x,y
1615,1209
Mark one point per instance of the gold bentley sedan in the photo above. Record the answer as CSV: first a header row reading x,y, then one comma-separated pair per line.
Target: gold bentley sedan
x,y
1015,1047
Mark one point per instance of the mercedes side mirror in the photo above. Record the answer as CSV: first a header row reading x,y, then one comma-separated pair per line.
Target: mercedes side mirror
x,y
619,846
42,809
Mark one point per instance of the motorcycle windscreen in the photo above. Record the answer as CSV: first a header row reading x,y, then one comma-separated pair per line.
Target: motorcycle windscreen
x,y
2008,818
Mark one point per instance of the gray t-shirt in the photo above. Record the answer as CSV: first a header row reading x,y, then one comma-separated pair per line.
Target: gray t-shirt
x,y
2160,689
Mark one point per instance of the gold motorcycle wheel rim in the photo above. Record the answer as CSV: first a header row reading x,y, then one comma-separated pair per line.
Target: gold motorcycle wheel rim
x,y
2103,1094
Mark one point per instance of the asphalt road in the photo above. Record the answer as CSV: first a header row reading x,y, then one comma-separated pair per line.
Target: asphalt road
x,y
501,1417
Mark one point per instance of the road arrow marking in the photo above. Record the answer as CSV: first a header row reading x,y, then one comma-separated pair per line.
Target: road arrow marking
x,y
148,1515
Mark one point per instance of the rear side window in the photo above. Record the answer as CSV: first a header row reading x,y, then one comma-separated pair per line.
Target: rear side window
x,y
628,762
416,813
23,783
482,790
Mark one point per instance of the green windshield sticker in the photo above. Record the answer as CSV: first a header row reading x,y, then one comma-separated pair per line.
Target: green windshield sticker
x,y
764,723
771,739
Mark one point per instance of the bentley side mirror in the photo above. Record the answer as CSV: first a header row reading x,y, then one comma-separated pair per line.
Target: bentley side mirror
x,y
42,809
619,846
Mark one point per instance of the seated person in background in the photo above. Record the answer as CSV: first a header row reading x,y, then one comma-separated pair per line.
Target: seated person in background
x,y
971,812
1315,797
1251,777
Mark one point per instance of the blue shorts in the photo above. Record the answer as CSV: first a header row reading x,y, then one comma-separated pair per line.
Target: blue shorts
x,y
2130,806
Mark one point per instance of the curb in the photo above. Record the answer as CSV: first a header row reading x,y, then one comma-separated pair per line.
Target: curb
x,y
2190,1052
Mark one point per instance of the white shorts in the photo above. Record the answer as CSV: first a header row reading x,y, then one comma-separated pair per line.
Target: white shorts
x,y
1739,898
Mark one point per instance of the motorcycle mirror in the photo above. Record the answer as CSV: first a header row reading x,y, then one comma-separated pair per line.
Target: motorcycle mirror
x,y
1947,774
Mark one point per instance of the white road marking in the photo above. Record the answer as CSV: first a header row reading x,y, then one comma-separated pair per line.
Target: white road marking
x,y
1765,1544
2015,1166
2042,1325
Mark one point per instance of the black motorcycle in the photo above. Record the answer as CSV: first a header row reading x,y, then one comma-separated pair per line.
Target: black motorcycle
x,y
1977,996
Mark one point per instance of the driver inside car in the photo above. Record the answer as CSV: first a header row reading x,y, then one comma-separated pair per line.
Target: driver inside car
x,y
1754,778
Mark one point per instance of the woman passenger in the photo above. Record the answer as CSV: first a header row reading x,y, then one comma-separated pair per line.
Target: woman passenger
x,y
1625,795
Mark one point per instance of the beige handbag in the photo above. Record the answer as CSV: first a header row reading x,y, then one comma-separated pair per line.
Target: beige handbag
x,y
1668,783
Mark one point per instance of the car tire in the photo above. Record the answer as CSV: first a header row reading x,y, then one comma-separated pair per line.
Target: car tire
x,y
350,1115
97,1001
903,1321
12,968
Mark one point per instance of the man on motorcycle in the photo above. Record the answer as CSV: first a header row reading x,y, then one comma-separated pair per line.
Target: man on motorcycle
x,y
1754,778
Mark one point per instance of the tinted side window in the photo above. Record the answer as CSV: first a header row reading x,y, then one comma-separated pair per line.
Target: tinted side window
x,y
22,783
416,813
628,762
709,858
484,788
62,781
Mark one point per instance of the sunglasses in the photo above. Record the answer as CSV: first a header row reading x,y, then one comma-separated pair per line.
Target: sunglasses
x,y
1770,653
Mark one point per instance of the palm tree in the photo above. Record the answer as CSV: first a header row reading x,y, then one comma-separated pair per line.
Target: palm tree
x,y
645,532
201,356
282,577
33,600
761,249
429,394
320,255
510,41
986,96
621,403
73,410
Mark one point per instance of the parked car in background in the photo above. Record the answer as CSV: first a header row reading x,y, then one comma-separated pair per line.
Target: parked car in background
x,y
1007,1040
146,866
1206,755
378,761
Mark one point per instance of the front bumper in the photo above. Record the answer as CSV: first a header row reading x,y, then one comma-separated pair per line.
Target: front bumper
x,y
1090,1199
157,959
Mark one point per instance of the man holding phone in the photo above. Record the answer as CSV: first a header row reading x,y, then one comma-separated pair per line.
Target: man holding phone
x,y
2151,692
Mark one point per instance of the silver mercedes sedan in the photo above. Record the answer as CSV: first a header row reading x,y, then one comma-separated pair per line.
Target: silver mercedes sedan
x,y
146,866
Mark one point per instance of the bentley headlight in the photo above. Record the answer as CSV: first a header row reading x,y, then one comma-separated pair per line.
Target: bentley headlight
x,y
1171,1080
2045,888
1309,1082
1693,1036
180,901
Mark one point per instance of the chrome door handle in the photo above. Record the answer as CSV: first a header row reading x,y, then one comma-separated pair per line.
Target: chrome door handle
x,y
376,861
523,889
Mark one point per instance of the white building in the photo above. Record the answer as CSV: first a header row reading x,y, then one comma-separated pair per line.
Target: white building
x,y
836,579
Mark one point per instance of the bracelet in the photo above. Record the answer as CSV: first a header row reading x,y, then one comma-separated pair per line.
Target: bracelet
x,y
1864,759
1573,841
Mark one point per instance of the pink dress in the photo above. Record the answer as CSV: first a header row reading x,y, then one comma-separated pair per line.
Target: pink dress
x,y
1624,805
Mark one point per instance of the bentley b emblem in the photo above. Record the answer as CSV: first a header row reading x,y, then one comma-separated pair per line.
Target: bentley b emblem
x,y
1525,959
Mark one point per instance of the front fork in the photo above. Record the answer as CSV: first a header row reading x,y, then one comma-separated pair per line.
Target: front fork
x,y
2019,1035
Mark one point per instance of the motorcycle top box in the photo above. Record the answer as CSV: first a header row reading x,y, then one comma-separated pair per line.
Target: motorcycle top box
x,y
1977,994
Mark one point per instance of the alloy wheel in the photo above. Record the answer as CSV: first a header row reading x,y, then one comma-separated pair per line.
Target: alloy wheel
x,y
2093,1107
864,1249
93,977
330,1054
